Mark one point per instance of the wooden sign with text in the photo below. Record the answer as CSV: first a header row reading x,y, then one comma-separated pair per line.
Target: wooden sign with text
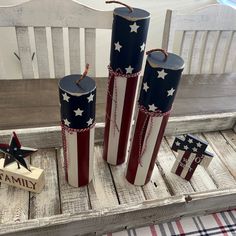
x,y
32,181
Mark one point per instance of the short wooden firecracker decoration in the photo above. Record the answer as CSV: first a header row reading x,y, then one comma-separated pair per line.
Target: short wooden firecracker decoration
x,y
191,152
29,178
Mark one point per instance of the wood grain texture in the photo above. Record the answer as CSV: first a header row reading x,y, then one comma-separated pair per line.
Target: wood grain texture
x,y
46,203
72,199
102,192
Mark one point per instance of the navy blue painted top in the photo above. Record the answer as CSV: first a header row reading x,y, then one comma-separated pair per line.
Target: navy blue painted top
x,y
77,101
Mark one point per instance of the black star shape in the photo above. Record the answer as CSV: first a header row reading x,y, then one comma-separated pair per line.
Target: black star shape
x,y
15,152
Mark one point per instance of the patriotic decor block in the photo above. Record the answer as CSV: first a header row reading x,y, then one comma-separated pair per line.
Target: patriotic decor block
x,y
129,33
191,152
78,99
161,78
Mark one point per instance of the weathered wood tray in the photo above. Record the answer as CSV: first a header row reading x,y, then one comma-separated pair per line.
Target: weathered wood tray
x,y
110,203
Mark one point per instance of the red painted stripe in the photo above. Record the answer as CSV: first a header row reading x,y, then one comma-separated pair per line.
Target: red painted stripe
x,y
135,148
219,223
180,227
109,234
157,145
193,165
107,116
180,168
2,145
83,140
153,230
130,91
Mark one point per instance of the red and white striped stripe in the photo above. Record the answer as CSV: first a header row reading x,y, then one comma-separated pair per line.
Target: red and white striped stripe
x,y
145,145
79,156
122,93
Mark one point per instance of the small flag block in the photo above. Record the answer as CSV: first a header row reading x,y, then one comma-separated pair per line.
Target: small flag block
x,y
32,181
191,153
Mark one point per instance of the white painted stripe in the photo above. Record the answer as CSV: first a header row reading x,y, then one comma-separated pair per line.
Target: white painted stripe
x,y
91,153
189,162
114,135
142,171
178,159
72,158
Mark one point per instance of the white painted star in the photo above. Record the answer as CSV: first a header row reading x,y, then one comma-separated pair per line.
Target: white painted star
x,y
199,145
78,112
142,47
118,46
190,140
152,107
170,92
90,97
129,70
177,143
195,149
185,147
65,97
90,121
161,74
66,122
15,149
134,27
145,87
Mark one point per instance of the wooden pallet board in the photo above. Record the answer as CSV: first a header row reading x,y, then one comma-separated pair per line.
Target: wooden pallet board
x,y
110,202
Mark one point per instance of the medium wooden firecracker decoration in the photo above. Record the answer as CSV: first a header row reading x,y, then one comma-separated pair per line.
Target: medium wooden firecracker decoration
x,y
78,99
15,171
160,82
129,33
191,153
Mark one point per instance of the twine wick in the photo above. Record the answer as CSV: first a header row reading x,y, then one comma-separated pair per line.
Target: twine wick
x,y
84,74
158,50
129,7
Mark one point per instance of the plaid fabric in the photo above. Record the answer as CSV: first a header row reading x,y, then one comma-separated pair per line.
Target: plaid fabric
x,y
223,223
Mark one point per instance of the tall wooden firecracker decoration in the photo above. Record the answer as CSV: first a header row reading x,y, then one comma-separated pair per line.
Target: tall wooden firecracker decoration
x,y
161,78
129,33
77,97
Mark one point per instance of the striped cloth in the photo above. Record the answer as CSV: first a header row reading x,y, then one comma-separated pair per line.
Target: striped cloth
x,y
223,223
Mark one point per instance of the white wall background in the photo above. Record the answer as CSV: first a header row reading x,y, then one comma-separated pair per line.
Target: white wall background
x,y
10,66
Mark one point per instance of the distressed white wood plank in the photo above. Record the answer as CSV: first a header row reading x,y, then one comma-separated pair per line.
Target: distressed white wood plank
x,y
58,52
72,199
197,54
231,59
25,53
156,188
222,51
74,50
230,136
102,192
219,172
223,149
90,50
165,161
127,192
200,180
14,204
42,52
209,51
186,49
47,203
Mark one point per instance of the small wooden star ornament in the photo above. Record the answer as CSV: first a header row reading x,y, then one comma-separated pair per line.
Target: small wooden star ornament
x,y
191,153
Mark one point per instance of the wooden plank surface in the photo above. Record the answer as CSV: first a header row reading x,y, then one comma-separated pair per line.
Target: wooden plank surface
x,y
197,95
47,203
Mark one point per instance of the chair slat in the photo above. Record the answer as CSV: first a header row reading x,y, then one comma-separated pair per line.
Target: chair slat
x,y
221,52
74,50
209,51
42,52
58,52
186,49
197,52
230,65
25,53
90,50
